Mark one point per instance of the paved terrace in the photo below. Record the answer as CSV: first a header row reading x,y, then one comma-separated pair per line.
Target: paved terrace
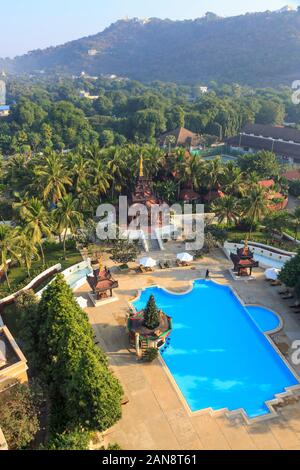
x,y
155,417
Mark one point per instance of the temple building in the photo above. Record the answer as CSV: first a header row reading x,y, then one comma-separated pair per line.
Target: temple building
x,y
101,282
143,189
143,195
243,261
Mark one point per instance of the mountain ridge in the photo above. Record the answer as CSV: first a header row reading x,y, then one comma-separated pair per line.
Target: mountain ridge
x,y
251,49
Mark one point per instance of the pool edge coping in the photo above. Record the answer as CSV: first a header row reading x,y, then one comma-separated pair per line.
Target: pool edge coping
x,y
240,412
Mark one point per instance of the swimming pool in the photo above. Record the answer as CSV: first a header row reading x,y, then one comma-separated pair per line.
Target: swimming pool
x,y
218,354
76,278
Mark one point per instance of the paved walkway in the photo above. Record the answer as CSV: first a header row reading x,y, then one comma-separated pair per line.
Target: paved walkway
x,y
155,417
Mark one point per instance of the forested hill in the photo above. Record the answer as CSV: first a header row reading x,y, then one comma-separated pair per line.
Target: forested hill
x,y
257,49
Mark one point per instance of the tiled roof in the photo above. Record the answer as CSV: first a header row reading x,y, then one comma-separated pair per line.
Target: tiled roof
x,y
276,132
260,143
189,195
182,137
292,175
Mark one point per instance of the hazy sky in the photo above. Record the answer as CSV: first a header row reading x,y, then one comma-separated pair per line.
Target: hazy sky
x,y
32,24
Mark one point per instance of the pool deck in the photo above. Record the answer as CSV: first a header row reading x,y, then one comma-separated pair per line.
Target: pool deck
x,y
155,417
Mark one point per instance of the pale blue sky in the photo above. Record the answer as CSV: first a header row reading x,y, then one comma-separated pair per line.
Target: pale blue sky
x,y
32,24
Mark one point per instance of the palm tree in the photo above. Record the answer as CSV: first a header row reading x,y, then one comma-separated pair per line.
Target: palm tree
x,y
36,223
212,172
256,205
29,251
233,180
100,177
117,167
87,198
8,248
67,217
78,167
52,178
296,221
227,208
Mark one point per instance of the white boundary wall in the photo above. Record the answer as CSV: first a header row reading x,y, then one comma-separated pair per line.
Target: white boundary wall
x,y
260,249
32,283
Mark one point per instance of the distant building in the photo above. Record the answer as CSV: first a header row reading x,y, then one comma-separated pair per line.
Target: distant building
x,y
4,111
86,94
92,52
203,89
4,108
292,175
283,141
180,137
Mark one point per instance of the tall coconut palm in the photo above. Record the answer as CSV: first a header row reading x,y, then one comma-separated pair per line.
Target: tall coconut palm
x,y
68,217
36,223
212,173
52,178
227,209
78,168
295,221
100,177
29,251
117,166
256,205
8,248
233,180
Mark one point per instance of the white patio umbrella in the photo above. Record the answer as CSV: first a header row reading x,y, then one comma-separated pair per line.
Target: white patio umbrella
x,y
272,274
185,257
147,262
82,302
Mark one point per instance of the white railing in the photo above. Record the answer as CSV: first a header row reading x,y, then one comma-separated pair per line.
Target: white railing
x,y
266,251
10,298
289,237
68,272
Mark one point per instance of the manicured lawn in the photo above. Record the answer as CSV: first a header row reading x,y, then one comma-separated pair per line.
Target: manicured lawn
x,y
260,237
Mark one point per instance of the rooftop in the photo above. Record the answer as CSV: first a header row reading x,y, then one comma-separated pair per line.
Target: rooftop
x,y
182,137
292,175
287,134
8,356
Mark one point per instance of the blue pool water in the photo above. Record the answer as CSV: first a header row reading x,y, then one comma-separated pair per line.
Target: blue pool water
x,y
73,278
265,319
217,352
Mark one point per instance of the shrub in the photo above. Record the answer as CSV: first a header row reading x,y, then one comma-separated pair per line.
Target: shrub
x,y
151,314
18,416
83,391
150,354
290,273
73,440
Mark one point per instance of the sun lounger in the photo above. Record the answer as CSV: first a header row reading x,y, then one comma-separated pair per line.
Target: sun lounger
x,y
294,306
276,283
284,292
148,270
288,297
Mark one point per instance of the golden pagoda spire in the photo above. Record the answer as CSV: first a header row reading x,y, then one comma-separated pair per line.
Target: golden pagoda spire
x,y
141,167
